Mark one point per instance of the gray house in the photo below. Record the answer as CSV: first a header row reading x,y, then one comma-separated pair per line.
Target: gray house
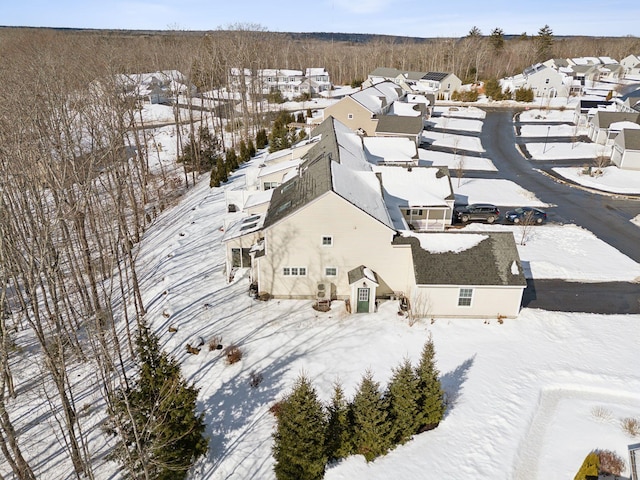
x,y
626,150
602,128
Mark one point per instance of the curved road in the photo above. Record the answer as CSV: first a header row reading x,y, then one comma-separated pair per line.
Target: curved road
x,y
606,216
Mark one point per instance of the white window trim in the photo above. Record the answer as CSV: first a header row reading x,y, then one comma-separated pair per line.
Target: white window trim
x,y
326,274
460,297
291,273
330,237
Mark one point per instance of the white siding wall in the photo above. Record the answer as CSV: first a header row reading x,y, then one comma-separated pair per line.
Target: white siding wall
x,y
358,239
486,302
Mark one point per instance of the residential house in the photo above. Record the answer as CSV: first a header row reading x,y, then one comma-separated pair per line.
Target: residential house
x,y
341,229
587,107
605,125
400,126
399,151
631,65
629,102
317,80
543,80
360,110
439,84
162,87
626,149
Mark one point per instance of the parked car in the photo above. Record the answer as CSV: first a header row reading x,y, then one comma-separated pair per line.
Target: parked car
x,y
526,214
477,211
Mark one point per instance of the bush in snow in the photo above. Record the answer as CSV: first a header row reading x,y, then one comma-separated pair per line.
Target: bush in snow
x,y
403,394
431,400
233,354
338,438
631,426
610,463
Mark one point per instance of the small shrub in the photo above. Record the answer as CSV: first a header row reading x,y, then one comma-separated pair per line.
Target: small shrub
x,y
215,343
631,426
611,463
255,379
276,408
601,413
233,354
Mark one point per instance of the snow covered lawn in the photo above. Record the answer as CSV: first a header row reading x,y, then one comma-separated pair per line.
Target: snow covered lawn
x,y
613,179
463,124
567,252
568,150
430,157
452,140
496,191
551,130
463,112
542,116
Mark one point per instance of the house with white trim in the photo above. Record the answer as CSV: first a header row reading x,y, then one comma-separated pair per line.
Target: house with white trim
x,y
340,229
626,149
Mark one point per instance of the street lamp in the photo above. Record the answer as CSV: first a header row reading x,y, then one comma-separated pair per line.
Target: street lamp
x,y
545,140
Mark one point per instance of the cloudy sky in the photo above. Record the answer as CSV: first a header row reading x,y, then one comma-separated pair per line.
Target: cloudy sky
x,y
415,18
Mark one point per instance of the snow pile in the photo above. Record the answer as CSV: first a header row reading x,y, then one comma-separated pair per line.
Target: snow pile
x,y
448,242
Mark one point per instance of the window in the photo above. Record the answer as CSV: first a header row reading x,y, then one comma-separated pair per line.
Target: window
x,y
327,241
270,185
546,81
350,116
330,271
416,212
464,297
294,271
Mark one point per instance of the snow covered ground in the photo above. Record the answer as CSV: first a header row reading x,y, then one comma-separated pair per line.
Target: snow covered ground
x,y
566,150
496,191
612,179
453,140
521,392
454,161
520,406
461,124
555,115
564,130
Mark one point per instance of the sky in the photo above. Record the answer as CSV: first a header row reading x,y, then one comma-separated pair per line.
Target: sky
x,y
413,18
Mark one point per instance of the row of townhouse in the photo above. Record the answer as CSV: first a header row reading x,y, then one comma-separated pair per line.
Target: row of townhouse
x,y
440,85
312,81
560,77
340,226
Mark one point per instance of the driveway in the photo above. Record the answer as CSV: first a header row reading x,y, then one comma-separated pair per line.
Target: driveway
x,y
606,216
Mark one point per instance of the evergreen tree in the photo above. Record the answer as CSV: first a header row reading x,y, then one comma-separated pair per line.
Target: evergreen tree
x,y
231,161
200,153
544,43
244,152
338,439
261,139
280,137
474,32
298,447
160,433
497,39
370,420
252,149
492,89
431,400
403,394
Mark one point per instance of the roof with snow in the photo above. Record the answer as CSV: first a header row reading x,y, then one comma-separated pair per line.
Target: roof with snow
x,y
244,226
604,118
336,163
361,272
631,139
378,96
390,149
493,260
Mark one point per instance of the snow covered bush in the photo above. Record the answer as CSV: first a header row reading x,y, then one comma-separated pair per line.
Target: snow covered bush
x,y
233,354
631,426
611,463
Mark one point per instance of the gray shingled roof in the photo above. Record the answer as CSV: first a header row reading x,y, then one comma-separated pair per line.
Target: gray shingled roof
x,y
488,263
359,273
385,72
605,118
436,76
314,180
631,139
399,124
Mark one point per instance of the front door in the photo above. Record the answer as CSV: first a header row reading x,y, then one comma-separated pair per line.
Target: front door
x,y
363,300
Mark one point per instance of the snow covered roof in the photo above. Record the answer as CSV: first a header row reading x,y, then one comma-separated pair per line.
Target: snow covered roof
x,y
378,96
244,226
624,125
489,262
390,149
448,242
257,198
405,109
336,163
277,167
416,187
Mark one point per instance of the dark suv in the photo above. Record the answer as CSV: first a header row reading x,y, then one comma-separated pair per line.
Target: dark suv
x,y
476,211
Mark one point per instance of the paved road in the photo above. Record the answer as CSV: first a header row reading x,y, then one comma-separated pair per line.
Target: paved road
x,y
608,217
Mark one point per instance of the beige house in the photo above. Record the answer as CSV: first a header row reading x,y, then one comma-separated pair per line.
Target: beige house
x,y
336,230
360,110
